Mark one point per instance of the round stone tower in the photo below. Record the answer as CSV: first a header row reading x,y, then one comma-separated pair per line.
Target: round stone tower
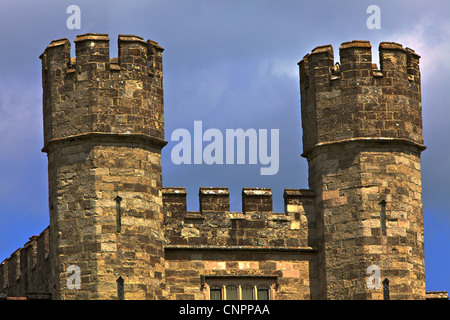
x,y
103,134
362,137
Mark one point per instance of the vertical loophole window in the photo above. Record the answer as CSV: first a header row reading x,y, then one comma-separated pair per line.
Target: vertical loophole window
x,y
231,293
215,293
263,293
118,213
383,217
120,289
386,289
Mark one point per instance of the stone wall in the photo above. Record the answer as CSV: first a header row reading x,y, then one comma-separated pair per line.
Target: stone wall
x,y
26,272
190,270
257,225
87,178
352,182
256,242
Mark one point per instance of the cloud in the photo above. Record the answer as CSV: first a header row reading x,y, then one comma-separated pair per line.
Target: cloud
x,y
429,39
21,115
278,67
21,136
21,118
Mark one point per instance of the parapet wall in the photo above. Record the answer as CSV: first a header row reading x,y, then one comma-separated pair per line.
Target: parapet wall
x,y
26,272
93,93
353,99
256,226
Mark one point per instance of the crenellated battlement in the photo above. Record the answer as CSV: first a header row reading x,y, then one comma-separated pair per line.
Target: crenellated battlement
x,y
257,225
356,62
93,93
353,99
134,54
27,270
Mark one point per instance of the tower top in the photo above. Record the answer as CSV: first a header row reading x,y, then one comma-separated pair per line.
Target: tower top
x,y
93,94
354,99
94,47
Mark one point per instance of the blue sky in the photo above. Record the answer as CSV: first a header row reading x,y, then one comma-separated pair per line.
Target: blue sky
x,y
230,64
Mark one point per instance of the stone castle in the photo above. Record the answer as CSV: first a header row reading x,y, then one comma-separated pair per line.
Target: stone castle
x,y
116,233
